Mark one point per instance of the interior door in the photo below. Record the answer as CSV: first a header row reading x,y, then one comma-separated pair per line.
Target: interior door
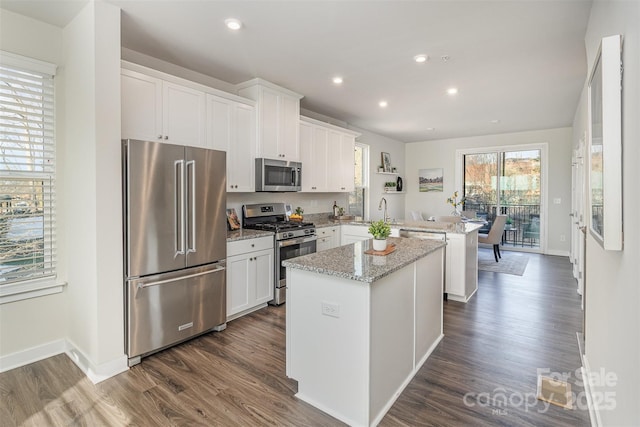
x,y
206,201
154,207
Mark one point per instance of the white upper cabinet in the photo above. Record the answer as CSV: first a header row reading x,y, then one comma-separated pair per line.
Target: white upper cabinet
x,y
184,115
231,128
313,154
278,112
154,109
341,147
141,106
327,157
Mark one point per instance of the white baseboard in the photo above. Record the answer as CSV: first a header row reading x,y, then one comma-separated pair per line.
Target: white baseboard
x,y
594,414
31,355
96,373
555,252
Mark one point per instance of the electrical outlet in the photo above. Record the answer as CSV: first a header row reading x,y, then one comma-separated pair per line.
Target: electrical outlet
x,y
562,238
557,201
329,309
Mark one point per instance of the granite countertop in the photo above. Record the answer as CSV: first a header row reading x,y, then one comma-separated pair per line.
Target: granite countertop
x,y
430,226
244,233
350,261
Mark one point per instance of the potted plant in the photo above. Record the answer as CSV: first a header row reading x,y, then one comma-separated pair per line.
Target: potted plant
x,y
380,231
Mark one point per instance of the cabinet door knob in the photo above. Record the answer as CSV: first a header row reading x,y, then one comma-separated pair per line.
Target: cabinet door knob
x,y
253,245
166,137
159,136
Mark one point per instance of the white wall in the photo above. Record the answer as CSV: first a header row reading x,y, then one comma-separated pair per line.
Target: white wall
x,y
612,286
35,322
92,63
442,154
396,149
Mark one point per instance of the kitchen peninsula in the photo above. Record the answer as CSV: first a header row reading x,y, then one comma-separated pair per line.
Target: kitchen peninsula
x,y
360,326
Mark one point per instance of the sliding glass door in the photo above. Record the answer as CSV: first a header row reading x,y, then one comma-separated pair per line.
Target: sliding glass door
x,y
506,183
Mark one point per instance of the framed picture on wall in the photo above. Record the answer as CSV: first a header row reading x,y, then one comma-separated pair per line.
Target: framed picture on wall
x,y
605,145
386,161
430,180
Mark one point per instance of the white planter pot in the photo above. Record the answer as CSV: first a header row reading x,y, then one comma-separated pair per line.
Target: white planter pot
x,y
379,245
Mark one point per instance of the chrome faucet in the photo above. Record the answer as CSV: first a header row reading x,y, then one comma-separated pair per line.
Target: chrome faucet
x,y
385,216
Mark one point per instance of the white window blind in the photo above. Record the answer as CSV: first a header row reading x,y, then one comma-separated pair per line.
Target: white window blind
x,y
27,170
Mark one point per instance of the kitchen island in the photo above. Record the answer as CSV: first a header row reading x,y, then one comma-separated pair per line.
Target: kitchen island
x,y
360,326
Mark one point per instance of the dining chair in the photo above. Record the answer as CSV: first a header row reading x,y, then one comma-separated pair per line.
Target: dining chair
x,y
416,216
469,214
494,237
531,229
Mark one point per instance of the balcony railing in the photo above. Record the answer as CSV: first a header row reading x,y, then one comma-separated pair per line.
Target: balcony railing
x,y
523,222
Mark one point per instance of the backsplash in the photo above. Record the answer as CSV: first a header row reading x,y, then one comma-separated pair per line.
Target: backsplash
x,y
312,203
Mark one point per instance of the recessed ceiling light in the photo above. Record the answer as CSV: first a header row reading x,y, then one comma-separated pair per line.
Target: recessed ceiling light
x,y
452,90
233,24
495,121
431,129
445,58
337,80
420,58
383,104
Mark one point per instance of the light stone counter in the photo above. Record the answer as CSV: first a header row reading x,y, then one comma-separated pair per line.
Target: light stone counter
x,y
430,226
244,233
350,261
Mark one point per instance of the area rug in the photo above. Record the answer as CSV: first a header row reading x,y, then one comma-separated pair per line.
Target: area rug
x,y
511,262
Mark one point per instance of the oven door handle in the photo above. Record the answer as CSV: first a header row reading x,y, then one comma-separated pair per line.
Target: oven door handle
x,y
296,241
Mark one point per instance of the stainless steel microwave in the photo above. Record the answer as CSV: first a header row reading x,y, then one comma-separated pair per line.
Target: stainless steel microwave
x,y
278,175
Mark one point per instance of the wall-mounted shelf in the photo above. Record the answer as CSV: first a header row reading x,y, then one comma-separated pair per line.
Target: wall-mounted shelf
x,y
387,173
394,192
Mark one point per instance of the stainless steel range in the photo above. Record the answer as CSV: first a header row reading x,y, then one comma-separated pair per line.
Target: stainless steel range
x,y
293,239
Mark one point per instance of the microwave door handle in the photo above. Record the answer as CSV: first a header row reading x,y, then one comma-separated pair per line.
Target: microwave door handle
x,y
294,175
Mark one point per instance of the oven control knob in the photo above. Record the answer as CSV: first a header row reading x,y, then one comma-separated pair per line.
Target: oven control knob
x,y
290,235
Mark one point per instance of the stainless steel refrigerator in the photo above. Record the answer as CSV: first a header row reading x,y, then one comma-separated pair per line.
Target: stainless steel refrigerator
x,y
175,244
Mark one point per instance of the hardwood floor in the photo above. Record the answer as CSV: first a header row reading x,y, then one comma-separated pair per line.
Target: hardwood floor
x,y
493,347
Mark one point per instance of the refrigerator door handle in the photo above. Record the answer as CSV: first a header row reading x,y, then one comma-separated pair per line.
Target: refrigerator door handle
x,y
190,276
191,206
178,185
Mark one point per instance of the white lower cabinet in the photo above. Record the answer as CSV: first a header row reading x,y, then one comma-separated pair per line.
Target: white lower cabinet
x,y
461,266
328,238
249,275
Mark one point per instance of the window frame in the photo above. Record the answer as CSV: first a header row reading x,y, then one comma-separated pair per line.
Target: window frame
x,y
49,284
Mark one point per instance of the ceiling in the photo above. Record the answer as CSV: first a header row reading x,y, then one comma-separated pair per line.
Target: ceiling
x,y
521,63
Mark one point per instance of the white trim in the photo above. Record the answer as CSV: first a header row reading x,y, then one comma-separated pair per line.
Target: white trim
x,y
30,289
330,126
594,414
544,177
32,64
96,373
261,82
31,355
556,252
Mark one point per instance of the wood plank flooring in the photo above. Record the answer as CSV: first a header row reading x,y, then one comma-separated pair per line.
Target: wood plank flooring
x,y
492,348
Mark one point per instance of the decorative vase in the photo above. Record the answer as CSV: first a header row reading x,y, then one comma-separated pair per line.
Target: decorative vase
x,y
379,244
456,212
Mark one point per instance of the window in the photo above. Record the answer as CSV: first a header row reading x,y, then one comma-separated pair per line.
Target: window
x,y
507,181
27,175
361,164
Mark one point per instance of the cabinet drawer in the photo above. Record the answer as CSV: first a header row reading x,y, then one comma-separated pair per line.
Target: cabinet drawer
x,y
249,245
326,231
